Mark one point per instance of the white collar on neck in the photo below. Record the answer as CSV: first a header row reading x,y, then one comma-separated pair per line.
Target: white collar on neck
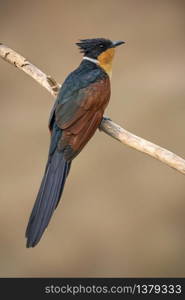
x,y
95,61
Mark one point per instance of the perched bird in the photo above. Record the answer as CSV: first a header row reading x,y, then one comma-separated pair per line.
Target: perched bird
x,y
76,115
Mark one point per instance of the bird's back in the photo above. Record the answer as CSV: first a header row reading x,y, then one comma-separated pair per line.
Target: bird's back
x,y
80,106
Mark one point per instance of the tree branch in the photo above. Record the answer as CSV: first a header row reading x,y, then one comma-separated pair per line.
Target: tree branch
x,y
107,125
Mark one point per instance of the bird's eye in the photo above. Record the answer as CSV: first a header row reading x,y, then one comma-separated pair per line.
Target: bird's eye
x,y
101,46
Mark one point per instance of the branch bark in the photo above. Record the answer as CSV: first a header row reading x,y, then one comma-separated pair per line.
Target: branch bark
x,y
107,126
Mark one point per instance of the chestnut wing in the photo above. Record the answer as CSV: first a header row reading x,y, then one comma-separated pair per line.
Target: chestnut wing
x,y
80,117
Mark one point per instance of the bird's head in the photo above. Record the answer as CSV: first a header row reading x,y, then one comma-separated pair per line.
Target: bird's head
x,y
100,50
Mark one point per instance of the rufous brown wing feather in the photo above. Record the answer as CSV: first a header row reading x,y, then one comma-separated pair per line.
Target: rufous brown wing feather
x,y
87,118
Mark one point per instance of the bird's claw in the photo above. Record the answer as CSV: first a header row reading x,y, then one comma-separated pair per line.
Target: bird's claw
x,y
104,119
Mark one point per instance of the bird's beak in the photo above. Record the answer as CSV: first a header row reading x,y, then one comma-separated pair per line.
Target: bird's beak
x,y
117,43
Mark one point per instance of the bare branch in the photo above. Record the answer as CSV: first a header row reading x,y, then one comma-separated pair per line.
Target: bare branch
x,y
140,144
23,64
107,125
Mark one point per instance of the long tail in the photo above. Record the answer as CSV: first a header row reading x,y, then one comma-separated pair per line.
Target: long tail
x,y
48,197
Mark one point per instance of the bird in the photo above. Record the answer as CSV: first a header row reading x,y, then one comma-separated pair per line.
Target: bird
x,y
75,116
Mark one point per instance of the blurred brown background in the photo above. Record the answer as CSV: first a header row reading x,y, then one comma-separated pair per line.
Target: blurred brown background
x,y
122,213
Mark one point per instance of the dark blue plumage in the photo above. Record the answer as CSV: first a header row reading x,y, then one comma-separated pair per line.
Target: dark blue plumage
x,y
58,166
68,103
76,115
71,95
51,189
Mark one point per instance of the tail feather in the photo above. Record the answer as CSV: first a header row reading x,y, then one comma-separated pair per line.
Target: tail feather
x,y
48,197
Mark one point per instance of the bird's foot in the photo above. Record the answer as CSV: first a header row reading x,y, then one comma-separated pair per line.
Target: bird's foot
x,y
105,118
